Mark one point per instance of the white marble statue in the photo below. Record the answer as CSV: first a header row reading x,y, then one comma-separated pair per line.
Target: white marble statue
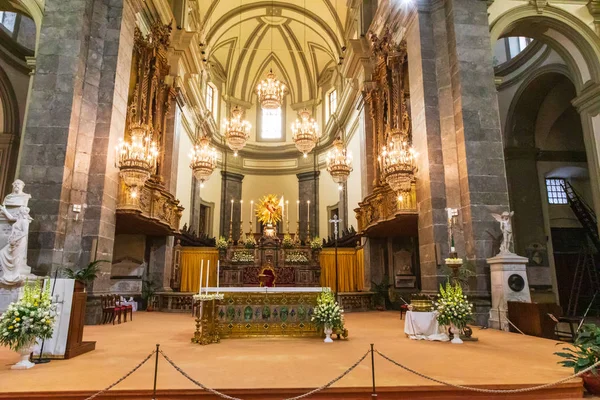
x,y
14,231
13,256
507,234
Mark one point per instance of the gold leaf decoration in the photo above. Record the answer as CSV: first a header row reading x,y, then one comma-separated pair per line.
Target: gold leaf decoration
x,y
268,210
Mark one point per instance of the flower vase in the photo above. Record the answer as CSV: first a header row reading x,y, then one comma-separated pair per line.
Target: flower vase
x,y
328,331
25,352
455,334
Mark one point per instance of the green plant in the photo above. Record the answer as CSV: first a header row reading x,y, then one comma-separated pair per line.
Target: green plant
x,y
452,306
381,292
288,242
148,289
30,318
87,274
316,244
221,244
465,272
585,351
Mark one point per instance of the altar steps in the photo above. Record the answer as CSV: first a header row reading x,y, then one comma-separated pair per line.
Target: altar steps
x,y
572,390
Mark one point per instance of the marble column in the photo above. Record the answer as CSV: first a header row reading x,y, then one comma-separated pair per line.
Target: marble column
x,y
308,188
231,188
76,114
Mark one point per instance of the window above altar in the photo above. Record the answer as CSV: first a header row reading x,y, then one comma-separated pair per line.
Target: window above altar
x,y
271,124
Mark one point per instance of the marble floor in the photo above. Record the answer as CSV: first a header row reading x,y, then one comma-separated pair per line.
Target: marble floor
x,y
498,359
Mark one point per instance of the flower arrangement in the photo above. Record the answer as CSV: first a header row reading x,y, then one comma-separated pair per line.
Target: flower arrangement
x,y
316,244
296,257
243,256
250,242
287,242
452,306
30,318
327,311
221,244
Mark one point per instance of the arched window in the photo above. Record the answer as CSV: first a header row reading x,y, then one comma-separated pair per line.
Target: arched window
x,y
271,124
331,105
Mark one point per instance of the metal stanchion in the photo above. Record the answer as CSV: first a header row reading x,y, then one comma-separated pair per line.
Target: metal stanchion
x,y
155,372
374,394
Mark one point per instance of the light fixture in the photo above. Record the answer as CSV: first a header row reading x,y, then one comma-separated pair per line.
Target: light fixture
x,y
204,160
237,131
137,157
305,132
339,163
270,92
397,162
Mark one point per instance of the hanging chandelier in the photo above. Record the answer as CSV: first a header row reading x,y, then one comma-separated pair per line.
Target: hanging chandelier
x,y
136,158
237,131
204,160
397,162
270,92
339,162
305,133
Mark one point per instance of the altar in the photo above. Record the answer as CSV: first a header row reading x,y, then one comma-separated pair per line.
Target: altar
x,y
265,311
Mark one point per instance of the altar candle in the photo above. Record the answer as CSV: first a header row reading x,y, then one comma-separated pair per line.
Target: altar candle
x,y
308,210
207,274
218,270
287,205
297,210
282,212
241,214
231,215
201,271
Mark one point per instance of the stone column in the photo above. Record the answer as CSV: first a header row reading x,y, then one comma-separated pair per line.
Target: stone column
x,y
231,188
424,105
76,114
308,189
194,222
482,178
161,261
343,208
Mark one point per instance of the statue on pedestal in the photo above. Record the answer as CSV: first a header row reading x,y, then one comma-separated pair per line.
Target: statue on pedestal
x,y
14,231
507,234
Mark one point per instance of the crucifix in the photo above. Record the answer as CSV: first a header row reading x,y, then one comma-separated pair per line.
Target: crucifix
x,y
336,221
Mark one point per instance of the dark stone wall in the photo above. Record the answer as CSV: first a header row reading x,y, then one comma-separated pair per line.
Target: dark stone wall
x,y
308,188
231,188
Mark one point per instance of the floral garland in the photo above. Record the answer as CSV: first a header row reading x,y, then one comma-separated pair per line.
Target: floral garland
x,y
452,306
295,257
30,318
327,311
243,256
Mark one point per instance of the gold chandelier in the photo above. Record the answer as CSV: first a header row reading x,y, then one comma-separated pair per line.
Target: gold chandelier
x,y
204,160
270,92
305,133
397,162
237,131
339,162
136,158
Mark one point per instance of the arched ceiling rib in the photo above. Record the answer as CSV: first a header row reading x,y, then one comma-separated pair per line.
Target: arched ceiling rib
x,y
299,40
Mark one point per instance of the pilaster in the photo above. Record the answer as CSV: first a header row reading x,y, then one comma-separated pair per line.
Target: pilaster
x,y
308,188
231,189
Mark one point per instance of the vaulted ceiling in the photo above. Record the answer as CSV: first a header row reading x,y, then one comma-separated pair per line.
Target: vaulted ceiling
x,y
300,40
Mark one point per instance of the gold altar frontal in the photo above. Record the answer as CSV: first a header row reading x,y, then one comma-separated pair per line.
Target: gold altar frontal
x,y
247,314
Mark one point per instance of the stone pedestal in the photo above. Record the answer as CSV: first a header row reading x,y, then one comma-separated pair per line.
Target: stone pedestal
x,y
509,283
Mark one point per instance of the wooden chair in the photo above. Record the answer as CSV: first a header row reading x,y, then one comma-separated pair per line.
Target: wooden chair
x,y
111,309
125,308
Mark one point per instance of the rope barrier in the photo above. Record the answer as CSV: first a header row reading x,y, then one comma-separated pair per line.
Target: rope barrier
x,y
122,378
495,391
223,395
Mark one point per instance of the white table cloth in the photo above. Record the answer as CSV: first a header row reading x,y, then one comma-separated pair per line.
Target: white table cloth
x,y
423,326
130,302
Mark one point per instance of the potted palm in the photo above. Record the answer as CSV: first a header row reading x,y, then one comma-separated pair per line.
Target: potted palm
x,y
148,291
381,293
86,275
584,354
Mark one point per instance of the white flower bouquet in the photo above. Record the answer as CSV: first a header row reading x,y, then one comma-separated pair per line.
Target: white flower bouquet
x,y
30,318
452,306
243,257
295,257
327,311
208,296
221,244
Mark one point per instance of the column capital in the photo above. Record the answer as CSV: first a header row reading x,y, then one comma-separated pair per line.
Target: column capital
x,y
594,8
588,100
308,176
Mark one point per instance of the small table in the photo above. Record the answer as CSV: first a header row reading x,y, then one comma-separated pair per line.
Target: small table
x,y
423,326
130,302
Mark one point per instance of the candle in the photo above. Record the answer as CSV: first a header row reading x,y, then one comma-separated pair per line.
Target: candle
x,y
251,209
218,270
207,274
308,210
287,204
241,214
297,210
201,271
231,215
282,212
